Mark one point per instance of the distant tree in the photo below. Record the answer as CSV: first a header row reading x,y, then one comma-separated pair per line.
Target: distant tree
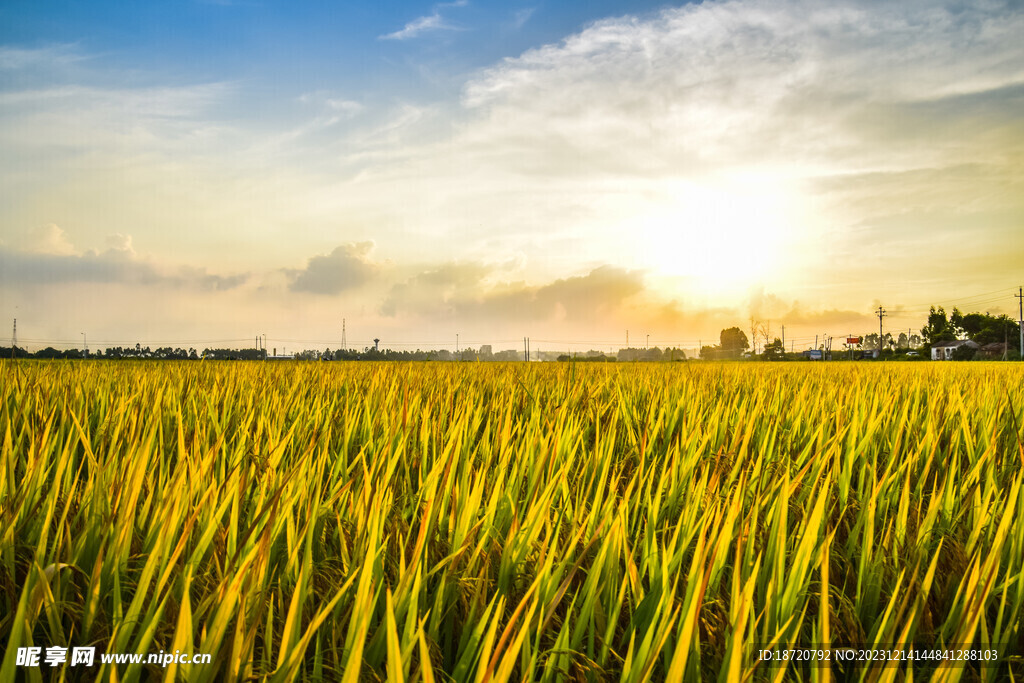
x,y
965,326
759,329
774,351
978,327
902,342
997,329
733,342
710,352
674,354
982,327
15,352
938,328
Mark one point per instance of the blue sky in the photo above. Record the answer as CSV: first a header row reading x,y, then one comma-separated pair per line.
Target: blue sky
x,y
292,47
564,170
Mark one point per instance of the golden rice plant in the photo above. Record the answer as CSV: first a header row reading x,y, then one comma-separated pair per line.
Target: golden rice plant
x,y
510,522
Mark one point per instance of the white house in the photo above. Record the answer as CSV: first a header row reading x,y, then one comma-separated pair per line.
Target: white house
x,y
944,350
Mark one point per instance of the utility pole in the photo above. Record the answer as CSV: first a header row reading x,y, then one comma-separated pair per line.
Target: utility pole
x,y
881,314
783,338
647,344
14,338
526,351
344,342
1020,321
627,339
456,343
85,343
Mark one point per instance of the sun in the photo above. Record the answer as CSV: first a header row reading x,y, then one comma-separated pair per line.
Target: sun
x,y
721,238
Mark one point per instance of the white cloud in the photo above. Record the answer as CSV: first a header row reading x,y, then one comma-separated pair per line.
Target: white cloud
x,y
520,17
416,27
347,267
48,257
52,56
424,24
50,239
746,82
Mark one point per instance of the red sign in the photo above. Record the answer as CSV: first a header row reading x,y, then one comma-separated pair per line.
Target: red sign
x,y
853,340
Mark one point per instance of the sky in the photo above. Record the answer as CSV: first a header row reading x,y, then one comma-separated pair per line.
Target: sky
x,y
199,173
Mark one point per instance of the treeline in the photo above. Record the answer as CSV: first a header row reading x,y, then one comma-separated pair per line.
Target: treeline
x,y
167,353
136,352
483,354
981,328
598,358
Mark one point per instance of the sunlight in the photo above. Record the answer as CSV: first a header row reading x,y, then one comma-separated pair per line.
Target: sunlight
x,y
723,238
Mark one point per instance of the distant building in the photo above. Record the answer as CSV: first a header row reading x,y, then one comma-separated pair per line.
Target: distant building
x,y
993,351
945,350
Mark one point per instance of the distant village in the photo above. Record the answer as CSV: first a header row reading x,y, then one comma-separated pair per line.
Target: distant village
x,y
958,336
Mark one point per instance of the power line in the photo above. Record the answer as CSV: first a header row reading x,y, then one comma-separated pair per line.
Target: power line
x,y
964,298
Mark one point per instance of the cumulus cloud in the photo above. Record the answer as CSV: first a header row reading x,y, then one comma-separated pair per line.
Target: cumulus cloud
x,y
764,307
50,239
436,289
49,258
598,293
462,290
347,267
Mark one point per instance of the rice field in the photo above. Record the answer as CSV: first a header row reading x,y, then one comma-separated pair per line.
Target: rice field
x,y
511,522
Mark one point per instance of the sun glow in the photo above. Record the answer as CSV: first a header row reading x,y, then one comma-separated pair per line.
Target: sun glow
x,y
722,238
